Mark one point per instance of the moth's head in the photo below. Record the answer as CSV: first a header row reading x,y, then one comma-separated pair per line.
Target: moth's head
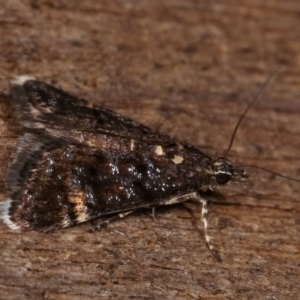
x,y
223,171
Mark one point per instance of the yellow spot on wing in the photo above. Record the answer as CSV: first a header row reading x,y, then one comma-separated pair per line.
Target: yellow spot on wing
x,y
131,145
177,159
159,150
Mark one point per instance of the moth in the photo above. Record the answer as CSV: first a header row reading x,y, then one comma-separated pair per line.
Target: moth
x,y
76,162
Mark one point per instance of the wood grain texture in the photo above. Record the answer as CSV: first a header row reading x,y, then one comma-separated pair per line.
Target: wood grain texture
x,y
188,68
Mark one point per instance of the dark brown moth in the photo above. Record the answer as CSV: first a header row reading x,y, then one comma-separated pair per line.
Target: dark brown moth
x,y
76,162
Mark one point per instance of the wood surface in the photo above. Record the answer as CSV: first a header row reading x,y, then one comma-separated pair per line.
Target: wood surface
x,y
189,69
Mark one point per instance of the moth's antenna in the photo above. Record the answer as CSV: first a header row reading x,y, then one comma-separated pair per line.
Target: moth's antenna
x,y
255,98
272,172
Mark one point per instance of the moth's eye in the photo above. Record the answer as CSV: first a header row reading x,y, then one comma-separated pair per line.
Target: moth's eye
x,y
223,178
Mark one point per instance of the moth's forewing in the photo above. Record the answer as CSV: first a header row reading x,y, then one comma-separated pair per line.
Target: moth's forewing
x,y
62,185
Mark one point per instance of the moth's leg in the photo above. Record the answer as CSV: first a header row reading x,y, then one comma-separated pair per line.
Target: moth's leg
x,y
194,196
112,219
116,218
204,218
180,199
153,214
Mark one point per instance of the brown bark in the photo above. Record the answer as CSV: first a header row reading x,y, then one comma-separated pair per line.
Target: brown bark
x,y
189,68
